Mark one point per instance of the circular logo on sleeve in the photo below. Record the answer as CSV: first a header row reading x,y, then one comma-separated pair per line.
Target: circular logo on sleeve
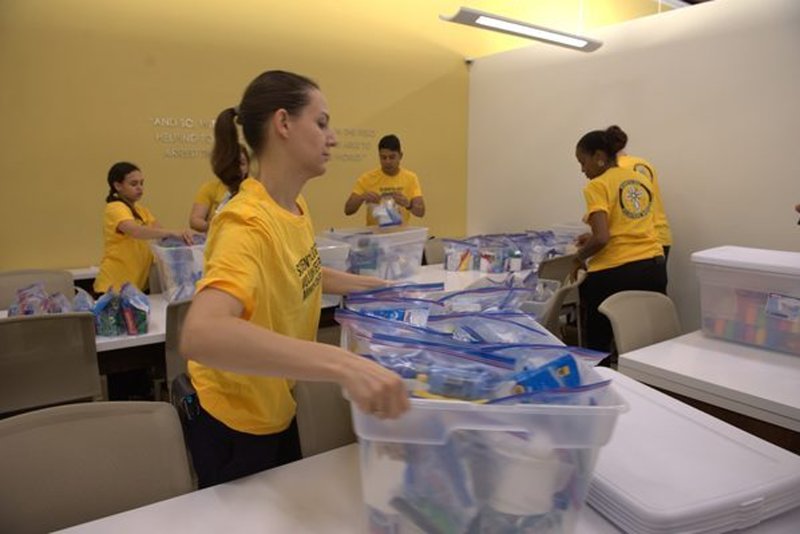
x,y
635,199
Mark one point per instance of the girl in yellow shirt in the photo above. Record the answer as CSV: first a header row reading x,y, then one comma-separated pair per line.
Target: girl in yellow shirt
x,y
251,329
127,225
213,195
622,251
645,168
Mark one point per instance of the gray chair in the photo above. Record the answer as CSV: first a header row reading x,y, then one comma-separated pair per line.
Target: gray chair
x,y
175,363
640,318
323,417
46,360
54,282
154,280
560,268
71,464
434,251
550,317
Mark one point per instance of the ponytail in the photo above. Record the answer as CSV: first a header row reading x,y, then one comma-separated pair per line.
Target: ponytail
x,y
226,154
617,138
117,174
266,94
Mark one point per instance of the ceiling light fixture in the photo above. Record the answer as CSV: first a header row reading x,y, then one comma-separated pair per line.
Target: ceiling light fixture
x,y
479,19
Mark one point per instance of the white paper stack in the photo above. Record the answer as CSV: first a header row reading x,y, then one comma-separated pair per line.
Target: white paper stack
x,y
671,468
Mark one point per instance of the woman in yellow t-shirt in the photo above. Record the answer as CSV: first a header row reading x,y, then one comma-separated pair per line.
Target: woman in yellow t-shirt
x,y
213,195
127,225
622,251
645,168
251,329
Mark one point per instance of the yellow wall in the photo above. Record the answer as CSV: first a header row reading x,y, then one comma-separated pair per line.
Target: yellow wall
x,y
84,82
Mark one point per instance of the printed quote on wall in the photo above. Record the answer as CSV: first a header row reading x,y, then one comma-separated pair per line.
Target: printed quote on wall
x,y
193,137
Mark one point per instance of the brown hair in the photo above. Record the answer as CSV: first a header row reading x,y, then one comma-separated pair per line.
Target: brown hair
x,y
618,138
269,92
116,175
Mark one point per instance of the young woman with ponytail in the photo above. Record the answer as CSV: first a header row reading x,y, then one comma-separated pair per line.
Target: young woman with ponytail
x,y
622,251
127,225
214,194
251,329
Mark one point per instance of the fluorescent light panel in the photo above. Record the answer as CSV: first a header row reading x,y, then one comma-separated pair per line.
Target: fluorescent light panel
x,y
473,17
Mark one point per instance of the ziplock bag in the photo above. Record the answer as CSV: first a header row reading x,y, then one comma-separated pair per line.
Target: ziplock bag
x,y
108,315
412,311
488,298
491,328
58,303
83,301
460,255
411,291
135,308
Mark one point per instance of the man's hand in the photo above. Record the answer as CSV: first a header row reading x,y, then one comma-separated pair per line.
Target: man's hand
x,y
370,197
401,200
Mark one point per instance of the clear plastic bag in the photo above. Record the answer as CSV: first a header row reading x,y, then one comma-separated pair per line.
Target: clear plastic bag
x,y
108,315
499,327
411,291
135,309
83,301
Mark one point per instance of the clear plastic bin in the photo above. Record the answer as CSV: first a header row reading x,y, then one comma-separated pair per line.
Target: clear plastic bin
x,y
179,269
333,253
449,466
390,253
751,296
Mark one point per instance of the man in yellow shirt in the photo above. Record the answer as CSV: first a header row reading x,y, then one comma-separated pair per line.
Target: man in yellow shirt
x,y
390,181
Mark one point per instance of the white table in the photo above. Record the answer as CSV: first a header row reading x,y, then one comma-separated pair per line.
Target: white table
x,y
761,384
319,494
84,273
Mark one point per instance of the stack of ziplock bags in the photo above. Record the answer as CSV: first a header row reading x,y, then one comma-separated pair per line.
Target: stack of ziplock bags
x,y
473,349
499,253
115,314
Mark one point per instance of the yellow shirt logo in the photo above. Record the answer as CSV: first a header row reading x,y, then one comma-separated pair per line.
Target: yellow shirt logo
x,y
635,199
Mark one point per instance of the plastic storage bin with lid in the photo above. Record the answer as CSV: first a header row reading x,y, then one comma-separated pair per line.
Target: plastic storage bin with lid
x,y
751,296
333,253
453,466
179,266
391,253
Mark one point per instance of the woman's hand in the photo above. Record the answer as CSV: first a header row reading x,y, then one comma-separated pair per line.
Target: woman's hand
x,y
577,266
341,283
582,239
375,390
186,235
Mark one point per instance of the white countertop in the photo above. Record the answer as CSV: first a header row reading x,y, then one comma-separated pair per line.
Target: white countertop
x,y
758,383
84,273
323,494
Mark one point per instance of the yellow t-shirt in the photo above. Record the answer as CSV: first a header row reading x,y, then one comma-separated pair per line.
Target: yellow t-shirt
x,y
265,257
211,194
644,167
627,197
125,258
405,182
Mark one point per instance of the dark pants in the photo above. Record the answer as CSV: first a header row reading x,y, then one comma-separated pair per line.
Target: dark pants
x,y
221,454
644,275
